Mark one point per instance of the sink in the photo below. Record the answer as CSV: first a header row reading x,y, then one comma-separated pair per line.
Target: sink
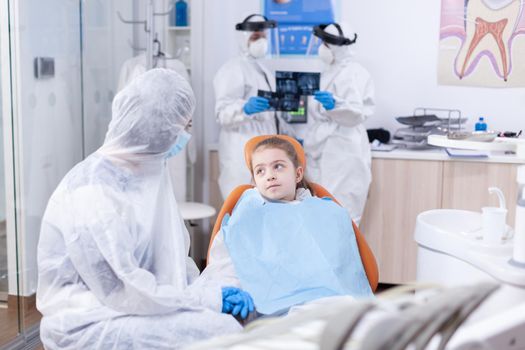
x,y
443,234
445,227
451,252
451,220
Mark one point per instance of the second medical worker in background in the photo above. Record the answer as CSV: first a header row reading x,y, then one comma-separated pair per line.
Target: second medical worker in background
x,y
335,140
240,113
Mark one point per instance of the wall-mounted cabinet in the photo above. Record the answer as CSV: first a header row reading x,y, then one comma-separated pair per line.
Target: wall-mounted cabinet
x,y
178,31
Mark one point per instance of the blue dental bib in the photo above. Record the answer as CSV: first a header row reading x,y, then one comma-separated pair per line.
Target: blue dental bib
x,y
286,254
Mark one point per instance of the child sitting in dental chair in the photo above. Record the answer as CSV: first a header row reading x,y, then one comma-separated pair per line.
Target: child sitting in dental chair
x,y
283,245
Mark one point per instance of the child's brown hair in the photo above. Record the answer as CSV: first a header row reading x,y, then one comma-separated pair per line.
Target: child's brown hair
x,y
279,143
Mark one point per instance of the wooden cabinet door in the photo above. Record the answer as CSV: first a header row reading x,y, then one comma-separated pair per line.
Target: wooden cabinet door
x,y
400,190
465,186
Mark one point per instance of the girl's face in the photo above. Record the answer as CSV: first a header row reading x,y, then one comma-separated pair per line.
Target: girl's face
x,y
275,176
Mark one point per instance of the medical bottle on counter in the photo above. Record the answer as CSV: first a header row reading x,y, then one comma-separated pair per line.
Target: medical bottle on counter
x,y
481,125
518,254
181,13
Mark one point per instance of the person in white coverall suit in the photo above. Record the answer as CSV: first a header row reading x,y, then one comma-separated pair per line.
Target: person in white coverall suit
x,y
240,113
335,140
114,271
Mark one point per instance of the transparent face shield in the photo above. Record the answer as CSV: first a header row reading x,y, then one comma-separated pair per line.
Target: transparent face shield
x,y
258,36
313,45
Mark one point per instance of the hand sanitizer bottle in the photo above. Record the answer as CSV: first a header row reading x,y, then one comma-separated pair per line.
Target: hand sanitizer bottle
x,y
181,13
481,125
518,254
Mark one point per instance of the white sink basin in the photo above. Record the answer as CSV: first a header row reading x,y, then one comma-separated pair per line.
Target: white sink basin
x,y
442,228
457,233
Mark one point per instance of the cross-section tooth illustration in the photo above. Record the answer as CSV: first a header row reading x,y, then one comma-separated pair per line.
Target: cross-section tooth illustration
x,y
490,26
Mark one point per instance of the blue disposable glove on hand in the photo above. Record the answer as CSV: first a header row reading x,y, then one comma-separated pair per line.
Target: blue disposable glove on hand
x,y
235,301
326,99
256,104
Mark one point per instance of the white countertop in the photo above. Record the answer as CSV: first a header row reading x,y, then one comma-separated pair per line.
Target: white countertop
x,y
441,154
431,154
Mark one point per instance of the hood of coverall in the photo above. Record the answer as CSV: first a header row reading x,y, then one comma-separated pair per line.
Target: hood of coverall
x,y
148,115
341,53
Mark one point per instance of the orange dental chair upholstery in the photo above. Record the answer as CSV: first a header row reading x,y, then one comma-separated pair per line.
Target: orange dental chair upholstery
x,y
367,257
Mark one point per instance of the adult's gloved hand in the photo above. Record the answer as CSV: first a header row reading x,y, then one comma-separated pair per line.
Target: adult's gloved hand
x,y
256,104
235,301
326,99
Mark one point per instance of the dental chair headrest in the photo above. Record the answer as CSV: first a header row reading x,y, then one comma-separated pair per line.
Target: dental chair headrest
x,y
254,141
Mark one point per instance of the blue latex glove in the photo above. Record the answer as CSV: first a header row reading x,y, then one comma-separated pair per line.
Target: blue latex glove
x,y
235,301
256,104
326,99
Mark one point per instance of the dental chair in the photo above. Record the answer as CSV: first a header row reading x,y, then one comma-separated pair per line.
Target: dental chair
x,y
367,257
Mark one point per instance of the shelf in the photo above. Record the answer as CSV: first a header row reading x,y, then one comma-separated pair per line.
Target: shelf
x,y
179,29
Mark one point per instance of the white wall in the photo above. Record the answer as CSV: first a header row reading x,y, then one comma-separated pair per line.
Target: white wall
x,y
211,48
220,44
398,44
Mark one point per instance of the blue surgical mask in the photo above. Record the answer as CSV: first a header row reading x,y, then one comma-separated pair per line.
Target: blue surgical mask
x,y
182,140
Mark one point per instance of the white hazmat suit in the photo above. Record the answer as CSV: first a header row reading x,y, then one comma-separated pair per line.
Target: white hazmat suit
x,y
335,141
113,262
235,82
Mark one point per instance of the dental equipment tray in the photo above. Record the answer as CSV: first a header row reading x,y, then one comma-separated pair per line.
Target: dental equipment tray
x,y
478,136
419,120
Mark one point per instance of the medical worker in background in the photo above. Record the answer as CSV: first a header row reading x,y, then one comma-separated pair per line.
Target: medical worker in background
x,y
240,113
113,265
335,140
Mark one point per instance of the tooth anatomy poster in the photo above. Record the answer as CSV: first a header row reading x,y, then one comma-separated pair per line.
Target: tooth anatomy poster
x,y
482,43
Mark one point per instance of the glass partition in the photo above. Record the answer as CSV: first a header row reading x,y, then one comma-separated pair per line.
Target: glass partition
x,y
9,301
62,63
47,124
44,140
9,327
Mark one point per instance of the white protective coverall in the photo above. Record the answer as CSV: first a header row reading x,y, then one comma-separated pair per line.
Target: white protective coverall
x,y
113,262
335,141
235,82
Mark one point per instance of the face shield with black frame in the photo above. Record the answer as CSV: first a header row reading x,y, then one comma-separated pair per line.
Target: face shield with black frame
x,y
258,36
325,37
